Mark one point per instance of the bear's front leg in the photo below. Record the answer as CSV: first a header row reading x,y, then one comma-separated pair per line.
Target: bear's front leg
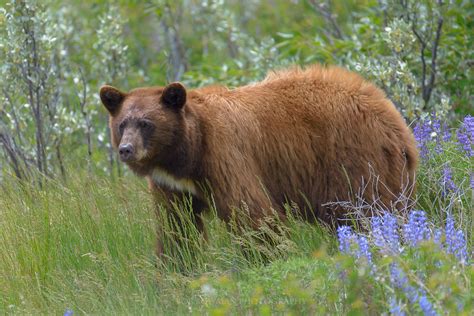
x,y
180,234
180,224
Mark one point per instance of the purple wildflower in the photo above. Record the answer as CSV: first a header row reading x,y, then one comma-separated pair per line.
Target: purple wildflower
x,y
466,135
437,237
427,307
435,124
455,241
461,251
472,181
469,126
68,312
422,133
350,243
414,295
397,276
385,233
416,230
446,133
377,233
399,279
364,251
436,132
395,307
464,141
345,237
450,232
447,181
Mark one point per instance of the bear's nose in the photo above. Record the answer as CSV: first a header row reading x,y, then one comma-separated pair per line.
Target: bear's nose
x,y
126,152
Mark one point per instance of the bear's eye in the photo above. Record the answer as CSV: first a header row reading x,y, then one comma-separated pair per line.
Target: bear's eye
x,y
122,126
144,124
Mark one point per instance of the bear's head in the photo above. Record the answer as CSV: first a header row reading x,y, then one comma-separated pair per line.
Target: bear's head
x,y
146,124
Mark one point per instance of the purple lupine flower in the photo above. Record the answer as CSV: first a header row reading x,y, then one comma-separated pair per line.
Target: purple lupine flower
x,y
427,307
412,293
450,229
416,230
455,240
461,252
422,133
395,307
438,147
397,276
436,132
377,233
345,237
354,245
399,279
391,232
465,135
469,126
446,133
385,233
364,250
472,181
437,237
447,181
464,141
435,124
68,312
450,232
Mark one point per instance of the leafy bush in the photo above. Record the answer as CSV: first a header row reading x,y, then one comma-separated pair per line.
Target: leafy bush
x,y
415,51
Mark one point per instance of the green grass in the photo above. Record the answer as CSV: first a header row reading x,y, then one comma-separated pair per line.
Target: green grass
x,y
88,244
81,245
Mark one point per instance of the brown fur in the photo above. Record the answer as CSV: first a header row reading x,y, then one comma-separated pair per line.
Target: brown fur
x,y
307,136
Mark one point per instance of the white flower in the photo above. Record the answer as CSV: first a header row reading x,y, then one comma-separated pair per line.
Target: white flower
x,y
208,290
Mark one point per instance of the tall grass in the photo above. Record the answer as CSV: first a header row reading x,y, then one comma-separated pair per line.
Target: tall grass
x,y
89,245
74,245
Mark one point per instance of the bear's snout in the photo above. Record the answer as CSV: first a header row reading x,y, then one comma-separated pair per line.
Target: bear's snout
x,y
126,152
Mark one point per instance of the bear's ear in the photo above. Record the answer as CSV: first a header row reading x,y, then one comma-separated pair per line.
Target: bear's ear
x,y
174,96
111,98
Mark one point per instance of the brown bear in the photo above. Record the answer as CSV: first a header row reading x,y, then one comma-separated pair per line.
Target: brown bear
x,y
310,136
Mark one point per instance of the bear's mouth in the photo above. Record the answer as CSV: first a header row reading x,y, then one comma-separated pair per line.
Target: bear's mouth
x,y
133,161
130,153
141,168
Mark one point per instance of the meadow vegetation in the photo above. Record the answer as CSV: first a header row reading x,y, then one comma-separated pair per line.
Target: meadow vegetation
x,y
77,230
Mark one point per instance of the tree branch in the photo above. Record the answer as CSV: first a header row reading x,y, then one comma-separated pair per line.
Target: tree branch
x,y
325,10
434,55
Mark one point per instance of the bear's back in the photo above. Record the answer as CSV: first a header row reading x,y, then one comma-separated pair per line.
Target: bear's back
x,y
312,136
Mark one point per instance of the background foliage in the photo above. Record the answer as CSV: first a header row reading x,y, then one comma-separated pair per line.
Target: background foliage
x,y
57,54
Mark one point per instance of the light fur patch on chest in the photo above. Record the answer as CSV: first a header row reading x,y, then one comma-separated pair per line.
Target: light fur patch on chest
x,y
162,178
